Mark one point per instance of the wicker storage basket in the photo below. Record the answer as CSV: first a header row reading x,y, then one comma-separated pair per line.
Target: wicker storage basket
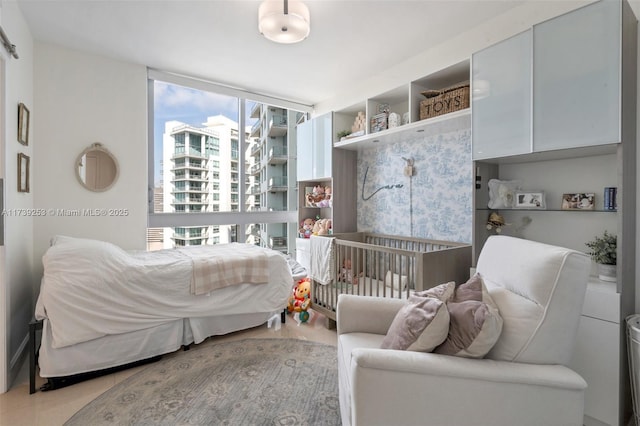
x,y
444,101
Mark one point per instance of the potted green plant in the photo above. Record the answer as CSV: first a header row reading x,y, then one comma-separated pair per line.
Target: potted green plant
x,y
603,251
343,134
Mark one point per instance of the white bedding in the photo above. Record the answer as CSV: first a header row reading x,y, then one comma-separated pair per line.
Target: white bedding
x,y
92,289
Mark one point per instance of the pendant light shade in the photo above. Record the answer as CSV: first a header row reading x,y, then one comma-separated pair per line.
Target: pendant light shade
x,y
284,21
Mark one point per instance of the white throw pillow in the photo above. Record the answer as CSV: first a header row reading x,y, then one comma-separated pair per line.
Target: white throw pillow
x,y
502,193
397,281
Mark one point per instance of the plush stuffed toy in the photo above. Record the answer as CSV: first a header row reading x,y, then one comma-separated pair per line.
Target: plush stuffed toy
x,y
306,228
300,300
326,201
495,221
346,273
322,227
313,198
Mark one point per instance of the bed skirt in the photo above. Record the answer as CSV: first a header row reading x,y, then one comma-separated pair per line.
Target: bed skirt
x,y
120,349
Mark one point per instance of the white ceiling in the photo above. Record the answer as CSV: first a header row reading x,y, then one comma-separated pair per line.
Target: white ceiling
x,y
218,39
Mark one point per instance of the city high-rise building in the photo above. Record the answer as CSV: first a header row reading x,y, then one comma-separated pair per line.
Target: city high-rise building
x,y
201,174
272,174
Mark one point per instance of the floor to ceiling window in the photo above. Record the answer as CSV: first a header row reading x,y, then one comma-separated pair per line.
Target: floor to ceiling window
x,y
221,165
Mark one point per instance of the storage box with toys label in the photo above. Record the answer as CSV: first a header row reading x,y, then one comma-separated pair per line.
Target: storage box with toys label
x,y
444,101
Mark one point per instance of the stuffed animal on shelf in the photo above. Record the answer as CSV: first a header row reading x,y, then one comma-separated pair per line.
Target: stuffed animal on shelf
x,y
300,300
322,227
315,196
326,201
496,221
306,228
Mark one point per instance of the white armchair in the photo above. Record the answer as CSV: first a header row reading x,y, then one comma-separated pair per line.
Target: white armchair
x,y
539,290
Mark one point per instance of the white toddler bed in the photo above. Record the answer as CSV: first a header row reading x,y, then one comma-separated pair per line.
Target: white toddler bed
x,y
104,307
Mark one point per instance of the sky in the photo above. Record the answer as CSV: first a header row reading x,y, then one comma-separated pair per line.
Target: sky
x,y
190,106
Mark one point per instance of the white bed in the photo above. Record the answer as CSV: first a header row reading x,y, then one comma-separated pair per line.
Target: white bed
x,y
103,307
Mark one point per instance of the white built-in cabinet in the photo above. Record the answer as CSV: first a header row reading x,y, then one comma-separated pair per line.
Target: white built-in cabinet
x,y
576,78
568,126
555,86
314,148
319,163
501,82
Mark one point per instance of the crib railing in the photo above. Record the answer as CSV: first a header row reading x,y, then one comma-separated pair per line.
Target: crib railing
x,y
389,266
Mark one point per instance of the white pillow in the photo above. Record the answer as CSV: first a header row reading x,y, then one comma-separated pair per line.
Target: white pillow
x,y
397,281
502,193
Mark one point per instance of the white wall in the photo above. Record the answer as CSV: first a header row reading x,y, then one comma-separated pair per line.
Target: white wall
x,y
451,52
18,276
81,99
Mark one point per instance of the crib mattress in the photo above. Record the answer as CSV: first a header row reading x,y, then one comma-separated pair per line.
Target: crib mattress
x,y
367,286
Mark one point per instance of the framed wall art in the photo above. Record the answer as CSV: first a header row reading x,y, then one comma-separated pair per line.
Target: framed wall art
x,y
578,201
23,124
529,200
23,173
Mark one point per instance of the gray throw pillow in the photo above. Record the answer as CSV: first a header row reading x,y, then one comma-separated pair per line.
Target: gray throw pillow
x,y
420,325
475,323
442,292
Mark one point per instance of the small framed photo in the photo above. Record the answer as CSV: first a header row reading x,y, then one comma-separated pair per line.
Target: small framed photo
x,y
23,173
23,124
529,200
578,201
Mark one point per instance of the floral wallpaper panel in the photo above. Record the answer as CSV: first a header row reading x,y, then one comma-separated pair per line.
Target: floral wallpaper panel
x,y
435,203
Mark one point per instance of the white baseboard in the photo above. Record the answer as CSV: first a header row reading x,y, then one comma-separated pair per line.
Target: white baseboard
x,y
17,360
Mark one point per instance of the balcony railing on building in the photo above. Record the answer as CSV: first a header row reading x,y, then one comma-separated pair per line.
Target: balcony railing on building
x,y
190,200
256,129
278,184
277,125
191,234
189,165
255,148
190,153
277,155
194,188
182,127
200,177
253,190
255,110
255,169
278,243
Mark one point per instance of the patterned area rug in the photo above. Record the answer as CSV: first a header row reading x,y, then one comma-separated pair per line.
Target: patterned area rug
x,y
246,382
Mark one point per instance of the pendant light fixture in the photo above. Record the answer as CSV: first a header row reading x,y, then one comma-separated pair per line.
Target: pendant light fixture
x,y
284,21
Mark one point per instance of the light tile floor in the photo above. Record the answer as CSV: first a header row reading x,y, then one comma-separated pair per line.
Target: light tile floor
x,y
19,408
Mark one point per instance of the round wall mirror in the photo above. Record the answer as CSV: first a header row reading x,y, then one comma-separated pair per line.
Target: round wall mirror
x,y
96,168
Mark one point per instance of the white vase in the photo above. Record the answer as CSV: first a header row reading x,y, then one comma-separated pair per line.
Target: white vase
x,y
607,272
